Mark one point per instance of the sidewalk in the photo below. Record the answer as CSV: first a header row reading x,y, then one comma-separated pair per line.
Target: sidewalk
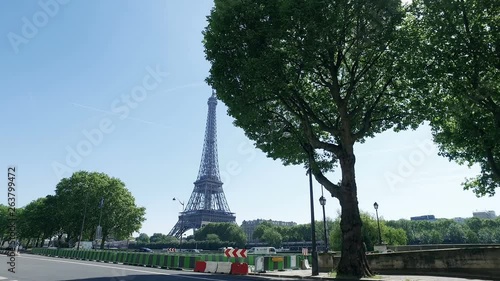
x,y
306,274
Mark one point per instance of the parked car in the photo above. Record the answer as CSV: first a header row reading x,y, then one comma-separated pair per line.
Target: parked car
x,y
146,250
191,251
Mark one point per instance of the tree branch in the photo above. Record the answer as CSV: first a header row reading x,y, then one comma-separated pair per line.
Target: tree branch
x,y
367,119
333,188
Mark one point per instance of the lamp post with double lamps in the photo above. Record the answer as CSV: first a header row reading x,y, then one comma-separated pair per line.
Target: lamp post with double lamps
x,y
322,201
182,222
375,205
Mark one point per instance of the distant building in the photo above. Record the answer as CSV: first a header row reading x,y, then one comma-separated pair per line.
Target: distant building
x,y
459,220
424,218
250,226
484,215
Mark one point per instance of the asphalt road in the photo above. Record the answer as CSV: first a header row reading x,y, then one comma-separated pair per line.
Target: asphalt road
x,y
39,268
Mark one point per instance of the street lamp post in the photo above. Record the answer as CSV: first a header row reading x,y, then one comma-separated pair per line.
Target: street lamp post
x,y
182,222
322,201
314,254
99,227
375,205
83,222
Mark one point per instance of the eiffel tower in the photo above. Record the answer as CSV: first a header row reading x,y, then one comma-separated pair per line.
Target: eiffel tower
x,y
207,202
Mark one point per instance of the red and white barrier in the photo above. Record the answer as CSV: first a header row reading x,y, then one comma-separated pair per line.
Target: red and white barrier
x,y
224,267
239,268
200,266
211,267
221,267
236,253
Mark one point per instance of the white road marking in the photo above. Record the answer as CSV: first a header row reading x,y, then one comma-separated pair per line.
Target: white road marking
x,y
2,278
121,268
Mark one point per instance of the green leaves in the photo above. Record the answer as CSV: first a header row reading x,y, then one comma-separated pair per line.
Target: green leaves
x,y
455,68
390,235
143,238
472,230
78,197
228,232
323,72
272,237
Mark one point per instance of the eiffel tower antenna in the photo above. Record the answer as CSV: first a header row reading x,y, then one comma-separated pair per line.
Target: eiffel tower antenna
x,y
207,202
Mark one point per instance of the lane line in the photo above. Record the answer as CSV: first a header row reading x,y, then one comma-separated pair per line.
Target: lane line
x,y
123,268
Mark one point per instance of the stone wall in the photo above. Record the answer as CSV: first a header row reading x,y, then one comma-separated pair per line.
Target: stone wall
x,y
468,262
437,246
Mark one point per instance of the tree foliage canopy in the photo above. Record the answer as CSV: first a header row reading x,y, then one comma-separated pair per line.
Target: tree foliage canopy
x,y
306,80
324,72
370,234
455,64
223,232
77,197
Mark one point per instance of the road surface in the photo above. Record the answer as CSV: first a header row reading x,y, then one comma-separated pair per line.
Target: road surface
x,y
39,268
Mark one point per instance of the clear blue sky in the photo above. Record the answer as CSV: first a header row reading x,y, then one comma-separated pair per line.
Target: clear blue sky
x,y
68,76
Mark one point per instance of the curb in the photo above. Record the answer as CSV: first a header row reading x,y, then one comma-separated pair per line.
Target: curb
x,y
8,253
312,277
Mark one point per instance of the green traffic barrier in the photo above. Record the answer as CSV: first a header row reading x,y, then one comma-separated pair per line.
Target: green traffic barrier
x,y
122,257
87,254
133,259
148,259
172,261
107,257
113,257
274,263
141,259
104,256
128,258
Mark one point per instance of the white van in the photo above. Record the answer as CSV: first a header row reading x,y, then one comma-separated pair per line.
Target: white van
x,y
262,251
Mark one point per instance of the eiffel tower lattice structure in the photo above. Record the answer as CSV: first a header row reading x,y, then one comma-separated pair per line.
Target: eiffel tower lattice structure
x,y
207,202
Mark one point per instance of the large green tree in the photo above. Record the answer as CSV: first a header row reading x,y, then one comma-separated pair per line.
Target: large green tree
x,y
259,230
307,80
163,238
272,237
390,235
143,238
39,219
4,222
80,196
224,231
456,64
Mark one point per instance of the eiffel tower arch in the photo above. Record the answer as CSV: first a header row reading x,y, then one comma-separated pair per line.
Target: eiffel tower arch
x,y
207,202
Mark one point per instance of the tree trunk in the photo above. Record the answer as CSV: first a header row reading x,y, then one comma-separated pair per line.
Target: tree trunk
x,y
353,262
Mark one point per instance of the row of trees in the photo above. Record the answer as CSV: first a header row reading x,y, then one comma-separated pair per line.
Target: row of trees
x,y
87,197
210,237
276,235
399,232
447,231
307,80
